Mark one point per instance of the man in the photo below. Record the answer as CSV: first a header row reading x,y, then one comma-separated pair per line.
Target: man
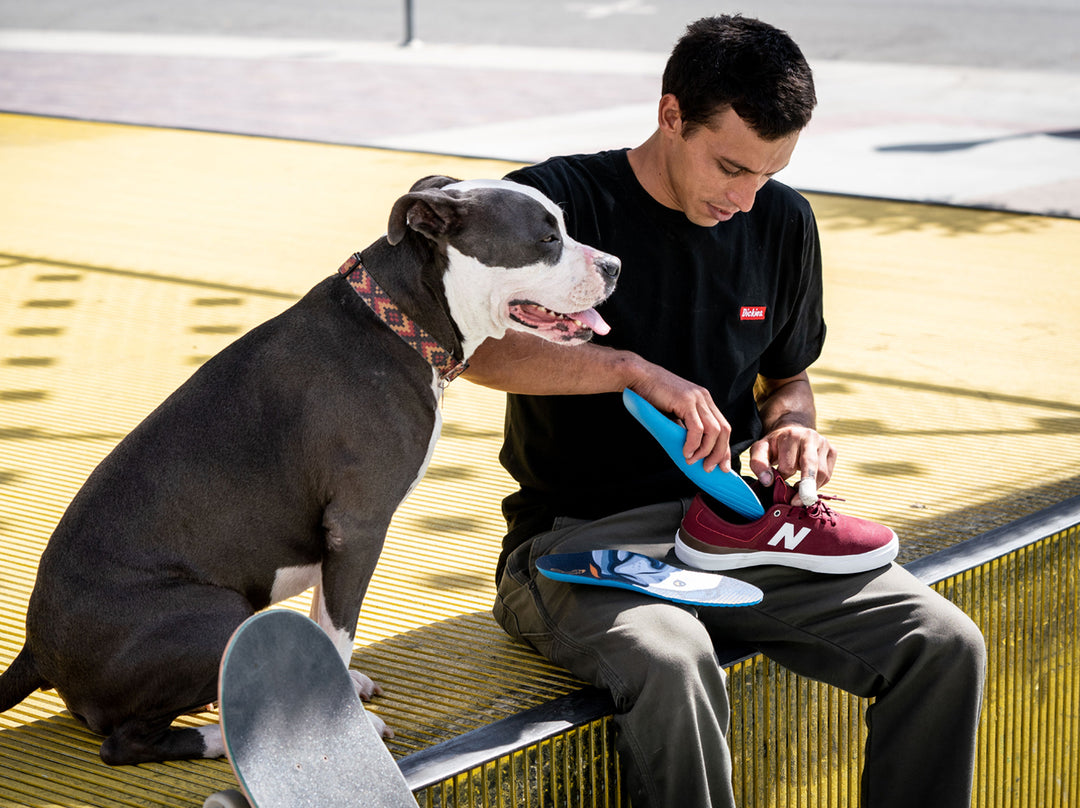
x,y
715,320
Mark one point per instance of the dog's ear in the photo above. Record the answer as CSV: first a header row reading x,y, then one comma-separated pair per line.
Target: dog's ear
x,y
433,181
434,213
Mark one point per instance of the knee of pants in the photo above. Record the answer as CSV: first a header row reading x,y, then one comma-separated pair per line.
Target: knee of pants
x,y
953,638
666,649
970,645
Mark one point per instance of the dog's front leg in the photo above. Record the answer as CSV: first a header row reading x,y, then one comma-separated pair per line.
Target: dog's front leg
x,y
365,686
351,555
341,636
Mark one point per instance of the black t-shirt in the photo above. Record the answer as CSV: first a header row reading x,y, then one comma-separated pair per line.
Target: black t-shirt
x,y
717,305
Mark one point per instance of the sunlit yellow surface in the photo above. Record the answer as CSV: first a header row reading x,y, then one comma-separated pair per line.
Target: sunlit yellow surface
x,y
129,255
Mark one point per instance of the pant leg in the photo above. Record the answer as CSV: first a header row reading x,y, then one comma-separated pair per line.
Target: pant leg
x,y
655,657
884,635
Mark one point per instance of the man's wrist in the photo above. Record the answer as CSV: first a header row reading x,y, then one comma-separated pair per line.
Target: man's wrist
x,y
634,371
799,420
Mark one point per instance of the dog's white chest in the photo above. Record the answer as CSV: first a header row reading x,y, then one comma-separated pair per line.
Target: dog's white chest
x,y
436,431
290,581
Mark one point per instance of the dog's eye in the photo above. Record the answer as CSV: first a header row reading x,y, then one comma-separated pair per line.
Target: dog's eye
x,y
549,239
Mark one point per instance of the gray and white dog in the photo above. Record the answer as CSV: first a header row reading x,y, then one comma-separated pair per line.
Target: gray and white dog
x,y
278,465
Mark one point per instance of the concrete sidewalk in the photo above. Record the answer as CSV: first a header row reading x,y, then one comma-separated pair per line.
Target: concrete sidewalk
x,y
969,136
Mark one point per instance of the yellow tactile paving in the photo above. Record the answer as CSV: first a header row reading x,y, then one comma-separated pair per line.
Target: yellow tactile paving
x,y
129,255
948,382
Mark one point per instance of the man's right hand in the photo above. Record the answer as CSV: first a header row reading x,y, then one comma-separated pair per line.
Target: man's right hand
x,y
708,433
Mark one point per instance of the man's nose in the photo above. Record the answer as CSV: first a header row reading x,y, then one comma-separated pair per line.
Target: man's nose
x,y
744,191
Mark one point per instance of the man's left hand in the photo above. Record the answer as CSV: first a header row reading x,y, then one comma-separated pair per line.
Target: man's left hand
x,y
790,449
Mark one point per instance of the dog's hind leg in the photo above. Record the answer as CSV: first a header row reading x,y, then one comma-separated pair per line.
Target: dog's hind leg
x,y
149,740
167,668
147,735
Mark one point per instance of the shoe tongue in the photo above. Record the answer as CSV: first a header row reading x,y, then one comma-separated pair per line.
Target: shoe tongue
x,y
782,493
775,493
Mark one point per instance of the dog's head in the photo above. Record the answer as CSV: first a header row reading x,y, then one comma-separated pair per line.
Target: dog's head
x,y
509,260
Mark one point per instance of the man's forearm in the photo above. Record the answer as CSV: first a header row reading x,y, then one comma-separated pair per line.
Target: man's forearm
x,y
786,402
520,363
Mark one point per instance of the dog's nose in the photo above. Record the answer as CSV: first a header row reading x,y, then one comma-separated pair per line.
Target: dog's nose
x,y
609,265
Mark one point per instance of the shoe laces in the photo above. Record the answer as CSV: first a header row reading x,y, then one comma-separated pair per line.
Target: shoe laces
x,y
822,512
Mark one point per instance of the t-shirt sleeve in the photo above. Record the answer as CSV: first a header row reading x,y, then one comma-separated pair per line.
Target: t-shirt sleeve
x,y
798,343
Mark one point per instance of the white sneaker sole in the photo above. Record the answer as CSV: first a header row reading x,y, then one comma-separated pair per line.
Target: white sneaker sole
x,y
832,565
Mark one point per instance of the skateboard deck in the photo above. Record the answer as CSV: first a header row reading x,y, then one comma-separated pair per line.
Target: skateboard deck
x,y
623,569
728,487
295,731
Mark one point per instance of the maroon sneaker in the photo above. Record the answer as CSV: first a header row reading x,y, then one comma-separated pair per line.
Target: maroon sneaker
x,y
814,537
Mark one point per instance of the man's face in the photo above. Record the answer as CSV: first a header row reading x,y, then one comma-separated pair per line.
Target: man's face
x,y
717,170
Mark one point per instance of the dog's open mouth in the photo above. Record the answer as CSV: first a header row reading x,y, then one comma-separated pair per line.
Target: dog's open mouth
x,y
555,326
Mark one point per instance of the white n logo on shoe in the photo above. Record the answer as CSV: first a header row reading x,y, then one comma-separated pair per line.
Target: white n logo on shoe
x,y
788,536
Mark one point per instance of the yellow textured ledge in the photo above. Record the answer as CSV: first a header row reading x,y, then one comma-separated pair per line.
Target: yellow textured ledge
x,y
129,255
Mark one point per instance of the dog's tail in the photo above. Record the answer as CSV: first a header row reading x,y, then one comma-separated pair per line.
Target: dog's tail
x,y
20,680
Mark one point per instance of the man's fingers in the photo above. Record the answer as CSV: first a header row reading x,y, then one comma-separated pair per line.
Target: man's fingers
x,y
695,432
720,457
707,432
808,494
785,453
761,462
713,449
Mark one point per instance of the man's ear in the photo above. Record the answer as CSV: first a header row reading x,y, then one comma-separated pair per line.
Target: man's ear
x,y
669,114
434,213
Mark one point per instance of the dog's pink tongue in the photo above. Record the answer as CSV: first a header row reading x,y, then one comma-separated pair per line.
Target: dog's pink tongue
x,y
592,318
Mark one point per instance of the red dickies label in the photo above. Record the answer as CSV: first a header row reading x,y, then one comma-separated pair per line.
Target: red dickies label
x,y
752,313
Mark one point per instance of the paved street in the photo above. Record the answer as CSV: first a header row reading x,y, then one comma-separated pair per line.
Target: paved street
x,y
971,104
974,33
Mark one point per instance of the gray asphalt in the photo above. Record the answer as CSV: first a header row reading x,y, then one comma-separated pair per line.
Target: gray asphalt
x,y
971,103
1003,34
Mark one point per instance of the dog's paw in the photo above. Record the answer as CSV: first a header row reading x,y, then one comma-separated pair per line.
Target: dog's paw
x,y
365,687
380,726
213,741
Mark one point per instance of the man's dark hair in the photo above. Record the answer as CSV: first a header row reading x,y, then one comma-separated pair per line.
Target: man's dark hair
x,y
747,65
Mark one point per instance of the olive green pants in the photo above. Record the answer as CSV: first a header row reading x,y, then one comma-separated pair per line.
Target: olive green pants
x,y
880,634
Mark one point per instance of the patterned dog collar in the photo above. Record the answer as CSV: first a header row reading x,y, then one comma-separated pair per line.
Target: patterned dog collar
x,y
445,363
